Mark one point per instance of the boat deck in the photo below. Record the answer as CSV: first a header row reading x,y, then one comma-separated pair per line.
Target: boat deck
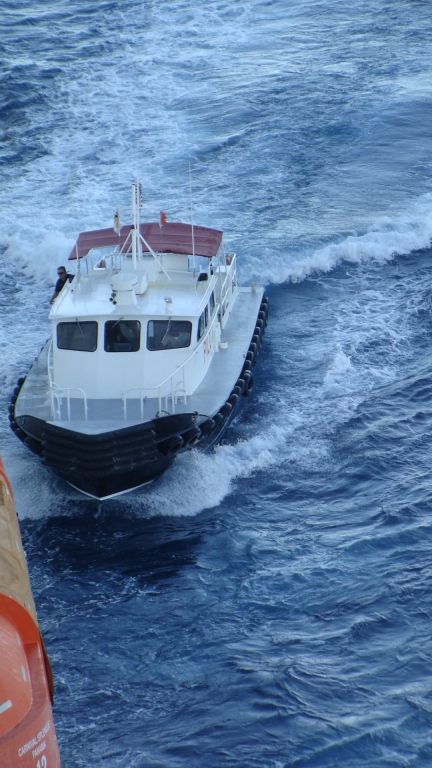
x,y
104,415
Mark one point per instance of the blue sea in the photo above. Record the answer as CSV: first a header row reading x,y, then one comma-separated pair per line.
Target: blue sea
x,y
268,604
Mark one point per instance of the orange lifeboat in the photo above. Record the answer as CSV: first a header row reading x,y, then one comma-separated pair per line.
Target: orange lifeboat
x,y
27,735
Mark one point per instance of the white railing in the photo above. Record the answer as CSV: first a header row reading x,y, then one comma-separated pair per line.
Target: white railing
x,y
58,393
176,391
225,285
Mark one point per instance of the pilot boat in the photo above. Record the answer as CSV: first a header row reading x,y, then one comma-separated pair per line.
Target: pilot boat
x,y
152,350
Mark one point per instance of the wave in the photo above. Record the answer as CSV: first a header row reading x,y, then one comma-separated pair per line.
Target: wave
x,y
389,238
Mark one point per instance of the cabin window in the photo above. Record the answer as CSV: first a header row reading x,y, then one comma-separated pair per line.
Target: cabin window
x,y
122,335
77,336
201,326
168,334
212,303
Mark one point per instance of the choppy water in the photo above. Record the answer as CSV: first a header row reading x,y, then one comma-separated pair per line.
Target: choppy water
x,y
267,605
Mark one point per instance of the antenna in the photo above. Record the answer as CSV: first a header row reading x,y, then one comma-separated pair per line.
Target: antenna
x,y
75,227
192,226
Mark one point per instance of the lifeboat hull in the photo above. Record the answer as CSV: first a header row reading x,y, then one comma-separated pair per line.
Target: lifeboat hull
x,y
27,734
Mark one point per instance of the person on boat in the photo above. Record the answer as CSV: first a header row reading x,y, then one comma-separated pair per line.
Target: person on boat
x,y
176,335
63,277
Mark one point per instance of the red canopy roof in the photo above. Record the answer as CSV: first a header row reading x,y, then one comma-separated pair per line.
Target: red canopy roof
x,y
170,238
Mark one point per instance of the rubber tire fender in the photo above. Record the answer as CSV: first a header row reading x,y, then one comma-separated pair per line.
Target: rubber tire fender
x,y
218,419
256,339
171,446
249,386
207,426
226,410
191,437
253,349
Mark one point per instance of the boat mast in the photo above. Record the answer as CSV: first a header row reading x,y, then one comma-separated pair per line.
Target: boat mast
x,y
136,239
192,226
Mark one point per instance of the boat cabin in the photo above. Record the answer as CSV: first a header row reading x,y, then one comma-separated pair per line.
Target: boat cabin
x,y
143,315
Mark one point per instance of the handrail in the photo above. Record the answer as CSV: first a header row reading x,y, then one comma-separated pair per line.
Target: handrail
x,y
224,286
57,392
192,354
49,364
171,376
206,295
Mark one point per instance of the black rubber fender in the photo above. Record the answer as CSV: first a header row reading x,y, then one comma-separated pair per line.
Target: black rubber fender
x,y
21,381
218,419
233,399
253,348
207,426
249,386
171,446
34,445
226,410
191,437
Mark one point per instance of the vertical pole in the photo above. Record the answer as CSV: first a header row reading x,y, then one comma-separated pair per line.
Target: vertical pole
x,y
192,226
139,204
134,238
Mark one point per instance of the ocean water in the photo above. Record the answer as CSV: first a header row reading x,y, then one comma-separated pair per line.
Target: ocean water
x,y
268,604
